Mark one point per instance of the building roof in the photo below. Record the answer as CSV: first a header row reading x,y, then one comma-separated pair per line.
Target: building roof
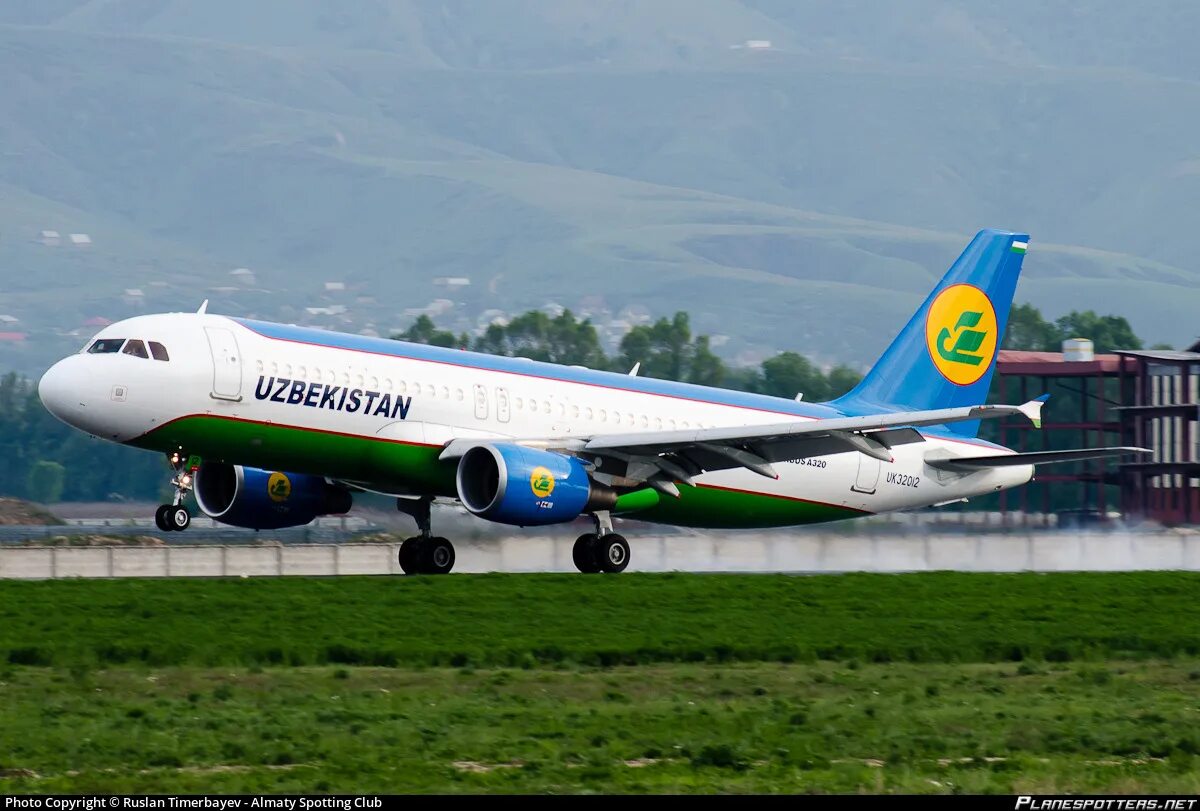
x,y
1052,364
1171,355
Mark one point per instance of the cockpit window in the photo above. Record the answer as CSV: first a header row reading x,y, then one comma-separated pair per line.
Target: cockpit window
x,y
105,346
159,351
135,348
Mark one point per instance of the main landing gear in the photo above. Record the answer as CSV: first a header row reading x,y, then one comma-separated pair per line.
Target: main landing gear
x,y
174,517
602,550
424,553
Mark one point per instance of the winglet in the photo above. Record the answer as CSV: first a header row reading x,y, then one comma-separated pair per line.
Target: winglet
x,y
633,372
1033,409
203,308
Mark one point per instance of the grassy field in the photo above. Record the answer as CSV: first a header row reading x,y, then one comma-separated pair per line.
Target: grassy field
x,y
914,683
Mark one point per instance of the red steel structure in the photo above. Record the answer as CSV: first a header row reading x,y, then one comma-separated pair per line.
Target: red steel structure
x,y
1162,415
1129,397
1025,375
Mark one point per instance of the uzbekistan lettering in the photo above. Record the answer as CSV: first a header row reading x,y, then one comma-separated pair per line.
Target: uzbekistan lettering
x,y
332,398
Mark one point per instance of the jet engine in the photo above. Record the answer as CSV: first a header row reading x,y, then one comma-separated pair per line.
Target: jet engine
x,y
511,484
265,499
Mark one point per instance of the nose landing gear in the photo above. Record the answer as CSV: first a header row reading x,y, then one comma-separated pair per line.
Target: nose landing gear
x,y
174,517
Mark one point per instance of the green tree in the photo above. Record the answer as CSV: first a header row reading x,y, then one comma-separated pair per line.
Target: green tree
x,y
705,368
841,380
423,331
45,483
788,374
1027,329
1107,332
535,335
664,349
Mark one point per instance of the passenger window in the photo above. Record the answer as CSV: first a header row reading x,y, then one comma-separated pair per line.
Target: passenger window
x,y
105,346
136,348
159,352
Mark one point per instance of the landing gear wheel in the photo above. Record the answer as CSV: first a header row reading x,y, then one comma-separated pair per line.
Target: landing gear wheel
x,y
436,556
612,553
583,554
160,517
410,555
179,518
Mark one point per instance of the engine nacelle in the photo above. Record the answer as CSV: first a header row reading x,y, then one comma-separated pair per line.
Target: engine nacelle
x,y
511,484
265,499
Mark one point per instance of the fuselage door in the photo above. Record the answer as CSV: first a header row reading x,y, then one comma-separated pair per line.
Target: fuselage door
x,y
227,364
868,474
481,402
502,409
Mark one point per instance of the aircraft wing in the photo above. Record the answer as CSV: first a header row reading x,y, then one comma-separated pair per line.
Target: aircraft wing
x,y
661,458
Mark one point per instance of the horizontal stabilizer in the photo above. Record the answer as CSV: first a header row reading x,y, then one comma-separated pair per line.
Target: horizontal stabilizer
x,y
971,463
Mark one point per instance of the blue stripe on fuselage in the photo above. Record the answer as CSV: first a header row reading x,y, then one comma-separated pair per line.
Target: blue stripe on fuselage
x,y
531,368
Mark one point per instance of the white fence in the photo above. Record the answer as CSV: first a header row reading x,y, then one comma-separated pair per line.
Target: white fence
x,y
742,552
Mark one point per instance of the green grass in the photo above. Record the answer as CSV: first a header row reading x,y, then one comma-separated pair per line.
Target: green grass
x,y
639,683
748,727
512,620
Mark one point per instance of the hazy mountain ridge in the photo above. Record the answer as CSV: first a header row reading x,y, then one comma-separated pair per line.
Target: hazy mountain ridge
x,y
551,152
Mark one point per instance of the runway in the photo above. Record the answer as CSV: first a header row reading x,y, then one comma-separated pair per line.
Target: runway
x,y
732,552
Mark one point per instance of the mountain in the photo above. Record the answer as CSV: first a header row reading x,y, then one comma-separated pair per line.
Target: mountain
x,y
624,159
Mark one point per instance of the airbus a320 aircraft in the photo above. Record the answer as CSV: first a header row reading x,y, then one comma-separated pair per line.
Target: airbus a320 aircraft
x,y
273,425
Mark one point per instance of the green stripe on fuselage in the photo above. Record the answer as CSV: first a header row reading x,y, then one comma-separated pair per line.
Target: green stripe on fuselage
x,y
392,465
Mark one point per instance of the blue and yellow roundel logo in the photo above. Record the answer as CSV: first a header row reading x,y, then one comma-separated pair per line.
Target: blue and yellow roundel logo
x,y
961,333
541,481
279,487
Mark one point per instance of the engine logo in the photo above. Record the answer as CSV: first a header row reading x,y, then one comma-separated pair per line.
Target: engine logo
x,y
541,482
279,487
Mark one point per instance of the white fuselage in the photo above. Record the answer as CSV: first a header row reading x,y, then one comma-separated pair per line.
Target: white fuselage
x,y
223,369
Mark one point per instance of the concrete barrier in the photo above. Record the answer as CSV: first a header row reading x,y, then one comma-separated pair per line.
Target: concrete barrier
x,y
733,552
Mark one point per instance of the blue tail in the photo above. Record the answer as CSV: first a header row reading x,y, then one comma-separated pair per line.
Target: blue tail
x,y
944,357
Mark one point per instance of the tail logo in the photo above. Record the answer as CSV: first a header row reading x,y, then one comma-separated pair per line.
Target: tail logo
x,y
279,487
961,333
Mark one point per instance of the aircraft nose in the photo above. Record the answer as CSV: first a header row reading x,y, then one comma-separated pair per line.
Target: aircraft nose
x,y
59,392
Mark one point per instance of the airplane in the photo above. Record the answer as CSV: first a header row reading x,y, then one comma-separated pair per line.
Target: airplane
x,y
271,425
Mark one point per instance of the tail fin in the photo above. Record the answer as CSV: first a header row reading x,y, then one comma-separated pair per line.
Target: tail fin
x,y
944,357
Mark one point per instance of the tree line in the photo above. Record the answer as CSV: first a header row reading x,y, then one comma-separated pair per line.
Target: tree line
x,y
45,461
665,349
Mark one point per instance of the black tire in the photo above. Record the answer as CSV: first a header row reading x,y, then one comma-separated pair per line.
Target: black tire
x,y
612,553
437,556
179,518
583,553
410,556
160,517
